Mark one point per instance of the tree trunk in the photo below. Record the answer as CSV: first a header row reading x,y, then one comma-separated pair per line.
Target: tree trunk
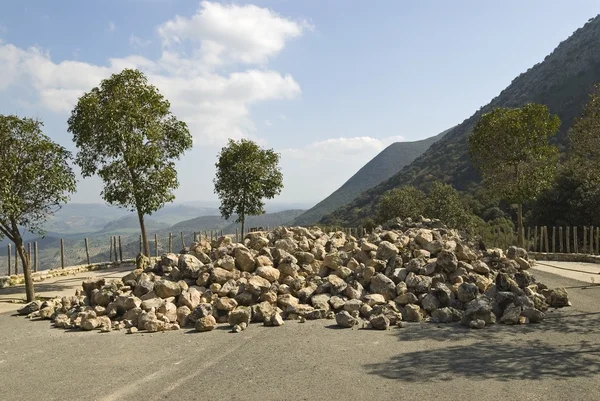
x,y
520,233
29,291
243,225
144,236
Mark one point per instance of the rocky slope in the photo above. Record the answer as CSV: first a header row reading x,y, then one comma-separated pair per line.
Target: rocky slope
x,y
387,163
562,82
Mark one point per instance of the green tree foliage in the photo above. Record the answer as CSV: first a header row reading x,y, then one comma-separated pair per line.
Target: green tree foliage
x,y
510,148
35,179
574,198
246,174
584,137
442,202
126,134
445,203
401,202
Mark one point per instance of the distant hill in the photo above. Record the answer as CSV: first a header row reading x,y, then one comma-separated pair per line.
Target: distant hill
x,y
228,226
562,81
387,163
130,224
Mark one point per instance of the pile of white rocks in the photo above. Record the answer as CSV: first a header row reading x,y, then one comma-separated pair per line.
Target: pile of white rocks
x,y
408,271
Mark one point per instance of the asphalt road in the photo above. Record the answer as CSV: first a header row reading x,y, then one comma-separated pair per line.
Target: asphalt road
x,y
558,359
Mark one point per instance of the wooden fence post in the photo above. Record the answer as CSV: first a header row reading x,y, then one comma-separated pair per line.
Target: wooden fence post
x,y
156,245
87,250
528,239
553,239
111,250
598,240
591,250
120,250
36,261
62,253
16,261
170,242
115,248
182,241
560,239
575,240
546,239
236,236
535,239
584,249
9,261
568,238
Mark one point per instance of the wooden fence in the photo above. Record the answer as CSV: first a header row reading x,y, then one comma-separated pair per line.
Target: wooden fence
x,y
562,239
114,250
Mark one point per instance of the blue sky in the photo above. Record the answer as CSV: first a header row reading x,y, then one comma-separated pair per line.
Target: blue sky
x,y
327,83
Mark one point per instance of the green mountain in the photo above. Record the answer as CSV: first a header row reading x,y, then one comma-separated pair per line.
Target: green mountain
x,y
380,168
562,81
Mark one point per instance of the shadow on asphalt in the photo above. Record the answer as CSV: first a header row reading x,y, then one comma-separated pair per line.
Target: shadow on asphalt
x,y
499,351
515,360
563,321
39,287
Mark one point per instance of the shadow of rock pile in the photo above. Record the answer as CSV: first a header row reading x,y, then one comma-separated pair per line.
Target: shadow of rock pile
x,y
409,271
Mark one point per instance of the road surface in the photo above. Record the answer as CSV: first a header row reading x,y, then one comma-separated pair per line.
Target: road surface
x,y
558,359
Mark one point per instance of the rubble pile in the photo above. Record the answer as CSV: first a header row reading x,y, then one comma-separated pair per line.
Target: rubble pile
x,y
406,271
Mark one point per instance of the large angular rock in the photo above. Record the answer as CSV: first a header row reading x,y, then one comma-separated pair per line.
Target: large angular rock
x,y
269,273
169,311
221,276
380,322
126,302
345,319
557,298
467,292
380,284
241,314
321,301
31,307
412,313
189,266
167,288
257,285
386,251
263,312
206,323
244,260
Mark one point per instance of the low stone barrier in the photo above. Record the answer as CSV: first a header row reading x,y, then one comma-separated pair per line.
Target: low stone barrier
x,y
565,257
16,279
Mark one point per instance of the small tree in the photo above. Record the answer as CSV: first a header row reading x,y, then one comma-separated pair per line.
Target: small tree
x,y
401,202
126,134
510,147
444,202
246,174
35,179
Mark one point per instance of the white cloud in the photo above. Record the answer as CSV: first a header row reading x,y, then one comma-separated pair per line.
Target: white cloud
x,y
268,123
231,33
137,42
327,164
111,27
3,29
342,149
215,105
